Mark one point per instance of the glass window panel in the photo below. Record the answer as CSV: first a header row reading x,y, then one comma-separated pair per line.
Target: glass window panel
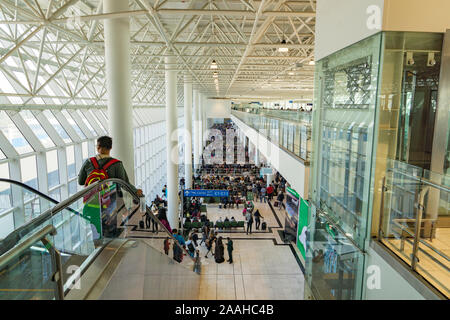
x,y
72,187
56,194
40,133
97,123
52,168
29,172
86,122
55,123
5,188
71,169
73,124
2,155
84,150
13,134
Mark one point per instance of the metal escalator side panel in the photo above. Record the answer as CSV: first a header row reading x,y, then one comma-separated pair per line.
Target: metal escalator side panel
x,y
91,283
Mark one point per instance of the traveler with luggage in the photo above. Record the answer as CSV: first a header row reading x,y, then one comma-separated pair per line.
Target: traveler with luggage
x,y
102,167
280,199
258,217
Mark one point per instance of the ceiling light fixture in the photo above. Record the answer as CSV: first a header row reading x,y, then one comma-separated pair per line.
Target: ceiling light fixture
x,y
282,48
312,63
215,74
214,64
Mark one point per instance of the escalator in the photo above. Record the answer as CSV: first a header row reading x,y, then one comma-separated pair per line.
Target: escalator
x,y
80,247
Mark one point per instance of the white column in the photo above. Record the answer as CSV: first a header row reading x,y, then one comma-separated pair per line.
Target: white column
x,y
171,143
188,132
118,83
257,156
196,131
269,179
199,125
205,135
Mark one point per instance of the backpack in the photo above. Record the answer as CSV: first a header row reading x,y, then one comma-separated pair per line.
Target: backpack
x,y
191,247
98,173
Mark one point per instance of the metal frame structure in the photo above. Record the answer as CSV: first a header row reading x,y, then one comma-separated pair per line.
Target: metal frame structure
x,y
46,149
54,49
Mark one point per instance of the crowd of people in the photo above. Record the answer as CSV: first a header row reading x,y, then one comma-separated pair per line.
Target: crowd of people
x,y
244,187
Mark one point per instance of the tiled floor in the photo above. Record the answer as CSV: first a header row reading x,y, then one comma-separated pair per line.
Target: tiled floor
x,y
428,266
263,269
260,271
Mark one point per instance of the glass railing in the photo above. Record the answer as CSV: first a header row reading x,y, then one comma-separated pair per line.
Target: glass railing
x,y
415,221
292,115
19,204
291,132
82,225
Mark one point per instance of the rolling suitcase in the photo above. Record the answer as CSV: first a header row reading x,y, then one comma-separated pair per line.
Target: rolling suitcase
x,y
141,224
263,226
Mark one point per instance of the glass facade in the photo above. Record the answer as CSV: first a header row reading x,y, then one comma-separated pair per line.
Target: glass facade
x,y
290,134
373,126
46,148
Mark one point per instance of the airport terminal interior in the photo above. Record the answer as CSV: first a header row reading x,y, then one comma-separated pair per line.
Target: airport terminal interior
x,y
224,149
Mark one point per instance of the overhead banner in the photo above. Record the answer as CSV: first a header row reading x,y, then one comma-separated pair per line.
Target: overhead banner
x,y
302,226
291,220
205,193
264,171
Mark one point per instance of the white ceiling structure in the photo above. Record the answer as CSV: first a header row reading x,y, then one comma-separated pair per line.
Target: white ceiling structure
x,y
52,51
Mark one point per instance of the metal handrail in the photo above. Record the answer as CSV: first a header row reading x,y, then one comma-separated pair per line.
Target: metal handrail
x,y
39,235
422,179
424,186
27,187
306,161
19,248
14,237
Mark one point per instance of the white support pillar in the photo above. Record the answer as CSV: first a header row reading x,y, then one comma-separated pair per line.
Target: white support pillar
x,y
204,128
118,81
257,163
196,131
199,125
188,132
172,143
269,179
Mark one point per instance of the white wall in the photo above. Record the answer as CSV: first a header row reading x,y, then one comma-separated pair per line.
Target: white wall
x,y
294,171
216,108
416,15
340,23
392,286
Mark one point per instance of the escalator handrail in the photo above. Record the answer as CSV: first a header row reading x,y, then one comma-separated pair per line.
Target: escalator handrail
x,y
14,237
27,187
18,249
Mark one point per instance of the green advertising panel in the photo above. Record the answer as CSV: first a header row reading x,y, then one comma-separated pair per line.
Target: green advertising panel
x,y
92,214
291,219
302,226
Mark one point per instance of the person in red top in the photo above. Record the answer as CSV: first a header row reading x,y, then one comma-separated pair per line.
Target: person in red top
x,y
270,191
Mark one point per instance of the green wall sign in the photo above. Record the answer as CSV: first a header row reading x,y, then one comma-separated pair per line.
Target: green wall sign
x,y
302,226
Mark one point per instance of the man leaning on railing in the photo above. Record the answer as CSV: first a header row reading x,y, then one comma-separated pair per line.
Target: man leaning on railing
x,y
102,167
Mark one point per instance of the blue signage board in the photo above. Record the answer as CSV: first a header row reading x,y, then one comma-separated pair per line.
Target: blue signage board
x,y
264,171
206,193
